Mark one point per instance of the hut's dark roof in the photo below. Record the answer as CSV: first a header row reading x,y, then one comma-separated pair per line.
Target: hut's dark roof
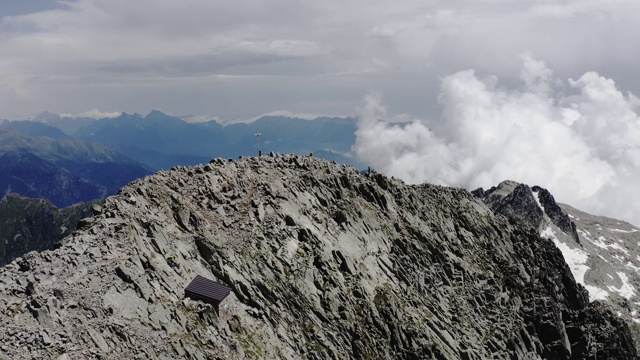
x,y
205,289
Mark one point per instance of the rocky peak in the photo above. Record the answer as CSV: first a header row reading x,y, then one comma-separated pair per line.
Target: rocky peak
x,y
528,206
515,201
323,262
601,252
560,218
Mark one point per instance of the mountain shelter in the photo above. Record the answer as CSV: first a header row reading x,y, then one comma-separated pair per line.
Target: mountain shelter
x,y
209,291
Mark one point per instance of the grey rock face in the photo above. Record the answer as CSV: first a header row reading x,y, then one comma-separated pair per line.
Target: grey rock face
x,y
528,206
323,263
555,213
515,201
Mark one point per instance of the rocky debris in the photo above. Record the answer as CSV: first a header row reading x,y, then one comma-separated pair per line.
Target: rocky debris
x,y
324,263
35,224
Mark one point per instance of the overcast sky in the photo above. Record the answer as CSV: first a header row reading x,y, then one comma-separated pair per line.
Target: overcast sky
x,y
535,91
242,58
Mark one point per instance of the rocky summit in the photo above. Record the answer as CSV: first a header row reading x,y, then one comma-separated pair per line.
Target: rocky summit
x,y
322,262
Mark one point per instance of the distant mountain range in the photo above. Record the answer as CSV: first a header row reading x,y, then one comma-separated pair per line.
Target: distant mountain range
x,y
161,141
71,159
63,170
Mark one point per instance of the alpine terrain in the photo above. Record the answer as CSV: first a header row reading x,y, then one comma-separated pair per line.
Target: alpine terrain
x,y
601,252
322,262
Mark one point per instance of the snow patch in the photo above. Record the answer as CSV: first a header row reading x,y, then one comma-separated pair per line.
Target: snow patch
x,y
620,248
623,231
536,197
601,242
633,267
626,290
595,293
598,243
575,258
585,234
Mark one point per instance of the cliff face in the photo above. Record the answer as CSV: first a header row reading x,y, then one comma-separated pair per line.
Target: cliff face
x,y
323,263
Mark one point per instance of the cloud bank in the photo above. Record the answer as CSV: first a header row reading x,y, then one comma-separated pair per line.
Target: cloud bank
x,y
578,138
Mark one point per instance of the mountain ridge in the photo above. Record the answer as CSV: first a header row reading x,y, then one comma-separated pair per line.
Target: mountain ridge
x,y
322,261
35,224
161,141
65,171
601,252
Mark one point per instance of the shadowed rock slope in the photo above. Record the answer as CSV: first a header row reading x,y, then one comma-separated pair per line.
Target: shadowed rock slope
x,y
35,224
323,263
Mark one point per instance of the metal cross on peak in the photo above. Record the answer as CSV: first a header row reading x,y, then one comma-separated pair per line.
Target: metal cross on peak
x,y
258,142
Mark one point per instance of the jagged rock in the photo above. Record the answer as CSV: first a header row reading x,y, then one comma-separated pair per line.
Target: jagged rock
x,y
515,201
98,340
527,206
366,267
555,213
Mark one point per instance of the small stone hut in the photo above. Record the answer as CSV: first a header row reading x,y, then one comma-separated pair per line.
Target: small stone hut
x,y
209,291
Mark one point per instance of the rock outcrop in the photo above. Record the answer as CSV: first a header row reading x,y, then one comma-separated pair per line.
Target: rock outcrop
x,y
528,206
324,263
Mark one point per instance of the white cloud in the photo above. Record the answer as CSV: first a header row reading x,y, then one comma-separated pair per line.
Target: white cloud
x,y
94,114
79,54
583,145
